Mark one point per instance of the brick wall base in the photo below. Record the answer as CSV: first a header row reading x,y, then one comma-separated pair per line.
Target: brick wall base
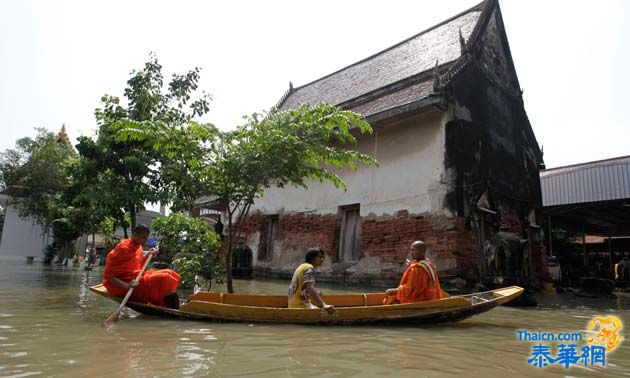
x,y
384,247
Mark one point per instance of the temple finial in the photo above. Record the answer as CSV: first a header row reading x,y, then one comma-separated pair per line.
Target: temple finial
x,y
462,41
436,77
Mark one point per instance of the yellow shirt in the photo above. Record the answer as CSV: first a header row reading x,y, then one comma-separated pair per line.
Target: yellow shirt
x,y
297,297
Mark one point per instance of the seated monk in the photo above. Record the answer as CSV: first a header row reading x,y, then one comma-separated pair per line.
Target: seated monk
x,y
124,262
419,282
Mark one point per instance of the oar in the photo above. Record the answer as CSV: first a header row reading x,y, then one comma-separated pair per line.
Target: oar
x,y
113,318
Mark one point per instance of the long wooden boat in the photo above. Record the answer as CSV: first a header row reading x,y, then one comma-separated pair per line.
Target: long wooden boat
x,y
351,308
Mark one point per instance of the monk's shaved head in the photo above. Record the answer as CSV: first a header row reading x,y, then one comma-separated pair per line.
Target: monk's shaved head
x,y
418,248
419,245
142,229
140,234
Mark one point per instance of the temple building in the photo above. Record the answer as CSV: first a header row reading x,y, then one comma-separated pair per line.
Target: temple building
x,y
458,162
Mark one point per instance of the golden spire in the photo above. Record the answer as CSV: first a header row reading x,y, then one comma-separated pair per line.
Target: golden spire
x,y
62,137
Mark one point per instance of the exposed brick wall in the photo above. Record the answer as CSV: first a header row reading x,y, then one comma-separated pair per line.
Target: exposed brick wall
x,y
384,245
254,222
447,238
299,231
385,242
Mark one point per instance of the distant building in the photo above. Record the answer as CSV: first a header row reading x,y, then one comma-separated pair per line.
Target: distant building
x,y
457,155
21,238
591,201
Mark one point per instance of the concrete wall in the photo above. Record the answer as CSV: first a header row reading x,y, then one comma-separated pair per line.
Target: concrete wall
x,y
410,154
21,237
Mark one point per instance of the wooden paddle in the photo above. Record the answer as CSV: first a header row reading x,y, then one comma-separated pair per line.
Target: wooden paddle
x,y
113,318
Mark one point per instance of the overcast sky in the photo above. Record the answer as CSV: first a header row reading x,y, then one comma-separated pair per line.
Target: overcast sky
x,y
57,58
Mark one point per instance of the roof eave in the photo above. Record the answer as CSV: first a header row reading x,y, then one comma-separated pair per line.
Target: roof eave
x,y
430,102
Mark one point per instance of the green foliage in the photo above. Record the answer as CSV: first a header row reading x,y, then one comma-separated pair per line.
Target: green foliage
x,y
192,268
93,196
152,149
560,235
55,192
49,254
283,148
563,240
279,148
64,229
133,168
291,147
193,244
182,151
40,167
108,227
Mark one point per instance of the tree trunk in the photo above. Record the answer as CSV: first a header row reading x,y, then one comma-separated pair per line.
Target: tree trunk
x,y
132,215
66,250
92,257
60,252
228,255
124,227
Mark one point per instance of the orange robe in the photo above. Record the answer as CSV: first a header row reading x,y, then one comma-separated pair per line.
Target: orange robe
x,y
125,262
418,283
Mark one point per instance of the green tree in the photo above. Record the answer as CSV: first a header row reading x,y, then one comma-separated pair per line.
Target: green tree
x,y
40,167
279,148
282,148
184,151
192,243
131,168
108,227
65,232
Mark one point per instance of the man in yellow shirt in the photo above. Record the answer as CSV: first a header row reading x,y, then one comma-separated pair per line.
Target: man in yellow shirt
x,y
302,292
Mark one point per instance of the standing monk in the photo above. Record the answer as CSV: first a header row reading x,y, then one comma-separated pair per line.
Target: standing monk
x,y
124,262
419,282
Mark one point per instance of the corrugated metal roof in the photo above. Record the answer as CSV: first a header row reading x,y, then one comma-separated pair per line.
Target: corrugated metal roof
x,y
603,180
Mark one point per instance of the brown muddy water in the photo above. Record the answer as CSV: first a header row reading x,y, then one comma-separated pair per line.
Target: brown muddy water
x,y
51,325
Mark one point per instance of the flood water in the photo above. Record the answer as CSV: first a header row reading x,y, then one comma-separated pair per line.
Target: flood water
x,y
51,325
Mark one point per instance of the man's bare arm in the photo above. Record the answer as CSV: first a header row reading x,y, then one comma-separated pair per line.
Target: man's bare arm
x,y
122,284
313,295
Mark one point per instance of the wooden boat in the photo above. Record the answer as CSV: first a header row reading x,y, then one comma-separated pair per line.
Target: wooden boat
x,y
351,308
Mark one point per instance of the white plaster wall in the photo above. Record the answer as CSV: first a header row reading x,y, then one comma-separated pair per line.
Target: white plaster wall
x,y
410,175
21,237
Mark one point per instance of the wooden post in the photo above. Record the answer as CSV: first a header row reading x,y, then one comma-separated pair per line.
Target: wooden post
x,y
550,237
530,255
482,245
610,257
584,245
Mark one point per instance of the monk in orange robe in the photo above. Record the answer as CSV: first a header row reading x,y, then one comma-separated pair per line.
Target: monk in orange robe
x,y
419,282
124,262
